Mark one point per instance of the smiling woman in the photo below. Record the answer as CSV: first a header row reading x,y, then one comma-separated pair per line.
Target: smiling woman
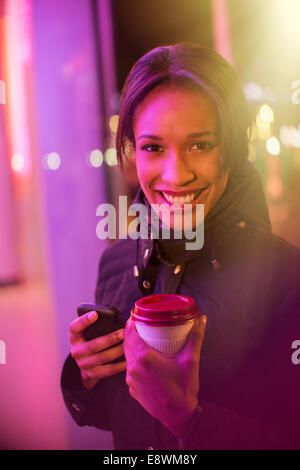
x,y
178,155
185,120
190,67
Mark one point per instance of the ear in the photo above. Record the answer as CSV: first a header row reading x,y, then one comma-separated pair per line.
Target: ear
x,y
130,152
129,149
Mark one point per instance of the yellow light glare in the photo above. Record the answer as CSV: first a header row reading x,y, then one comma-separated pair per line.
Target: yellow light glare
x,y
263,128
287,14
273,146
261,124
266,113
96,158
113,123
17,162
111,157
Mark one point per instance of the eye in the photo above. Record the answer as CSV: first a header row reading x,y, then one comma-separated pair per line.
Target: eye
x,y
204,145
151,148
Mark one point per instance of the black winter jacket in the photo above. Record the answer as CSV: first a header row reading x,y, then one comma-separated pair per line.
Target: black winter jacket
x,y
246,281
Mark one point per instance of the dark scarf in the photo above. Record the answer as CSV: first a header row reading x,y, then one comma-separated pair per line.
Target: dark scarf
x,y
242,201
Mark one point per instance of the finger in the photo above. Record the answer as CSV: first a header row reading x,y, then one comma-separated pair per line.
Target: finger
x,y
100,372
101,358
139,353
88,348
137,350
133,340
196,336
78,325
129,327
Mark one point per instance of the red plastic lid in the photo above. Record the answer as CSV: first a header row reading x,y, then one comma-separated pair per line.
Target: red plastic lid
x,y
164,309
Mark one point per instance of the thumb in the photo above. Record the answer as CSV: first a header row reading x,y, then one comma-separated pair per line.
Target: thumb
x,y
196,336
129,325
130,329
133,339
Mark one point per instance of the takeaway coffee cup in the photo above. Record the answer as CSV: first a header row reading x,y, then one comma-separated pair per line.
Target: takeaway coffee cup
x,y
164,321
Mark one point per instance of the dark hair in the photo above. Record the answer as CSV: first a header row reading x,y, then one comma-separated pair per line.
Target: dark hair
x,y
189,65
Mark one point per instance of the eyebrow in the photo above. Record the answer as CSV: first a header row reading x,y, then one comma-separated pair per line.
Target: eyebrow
x,y
194,135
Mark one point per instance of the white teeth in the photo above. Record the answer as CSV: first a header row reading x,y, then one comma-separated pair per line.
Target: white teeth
x,y
179,200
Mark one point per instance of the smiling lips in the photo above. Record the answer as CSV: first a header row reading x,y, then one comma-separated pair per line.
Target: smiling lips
x,y
181,198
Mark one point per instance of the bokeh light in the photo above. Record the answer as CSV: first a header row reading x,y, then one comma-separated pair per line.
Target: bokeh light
x,y
17,162
273,146
52,161
263,128
96,158
253,91
113,123
290,136
266,113
111,156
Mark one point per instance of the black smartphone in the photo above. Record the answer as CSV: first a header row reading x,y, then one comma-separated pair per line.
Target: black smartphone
x,y
109,320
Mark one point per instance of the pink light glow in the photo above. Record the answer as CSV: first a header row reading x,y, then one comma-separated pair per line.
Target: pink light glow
x,y
221,29
18,55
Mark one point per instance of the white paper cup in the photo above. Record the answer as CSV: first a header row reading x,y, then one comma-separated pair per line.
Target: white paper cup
x,y
165,321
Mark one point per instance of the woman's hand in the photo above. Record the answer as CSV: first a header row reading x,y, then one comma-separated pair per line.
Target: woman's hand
x,y
166,386
93,361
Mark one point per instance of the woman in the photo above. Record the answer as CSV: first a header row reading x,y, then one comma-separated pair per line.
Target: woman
x,y
185,119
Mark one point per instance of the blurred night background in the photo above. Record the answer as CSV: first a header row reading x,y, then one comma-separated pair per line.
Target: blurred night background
x,y
62,67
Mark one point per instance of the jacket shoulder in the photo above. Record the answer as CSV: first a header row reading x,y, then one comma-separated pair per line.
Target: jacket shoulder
x,y
284,261
287,255
284,245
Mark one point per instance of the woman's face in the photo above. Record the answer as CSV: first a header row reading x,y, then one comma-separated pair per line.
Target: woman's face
x,y
177,150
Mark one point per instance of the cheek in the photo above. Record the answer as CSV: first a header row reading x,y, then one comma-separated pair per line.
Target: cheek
x,y
145,170
211,168
142,171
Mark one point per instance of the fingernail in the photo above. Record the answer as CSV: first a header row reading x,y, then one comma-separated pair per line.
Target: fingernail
x,y
92,315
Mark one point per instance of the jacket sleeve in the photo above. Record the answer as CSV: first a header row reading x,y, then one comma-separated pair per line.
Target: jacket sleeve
x,y
213,427
270,422
82,403
88,407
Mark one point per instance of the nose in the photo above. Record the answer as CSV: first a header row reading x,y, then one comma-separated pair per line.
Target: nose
x,y
176,172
